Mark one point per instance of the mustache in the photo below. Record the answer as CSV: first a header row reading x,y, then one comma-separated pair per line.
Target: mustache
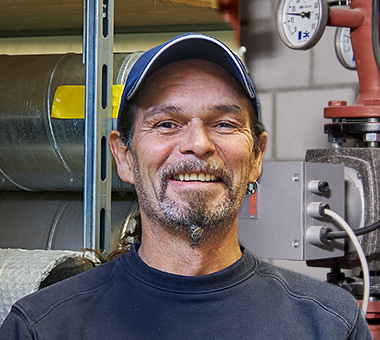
x,y
197,165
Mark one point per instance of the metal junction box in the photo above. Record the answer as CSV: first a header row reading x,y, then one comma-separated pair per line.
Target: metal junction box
x,y
274,221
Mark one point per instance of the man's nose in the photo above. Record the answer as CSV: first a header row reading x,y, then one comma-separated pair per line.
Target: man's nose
x,y
197,140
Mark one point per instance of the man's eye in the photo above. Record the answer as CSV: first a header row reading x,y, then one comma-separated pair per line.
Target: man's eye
x,y
167,125
226,126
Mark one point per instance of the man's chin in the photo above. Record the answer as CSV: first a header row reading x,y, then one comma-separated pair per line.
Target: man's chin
x,y
190,197
195,209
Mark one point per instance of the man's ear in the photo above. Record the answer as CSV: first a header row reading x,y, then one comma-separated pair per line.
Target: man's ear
x,y
257,158
123,157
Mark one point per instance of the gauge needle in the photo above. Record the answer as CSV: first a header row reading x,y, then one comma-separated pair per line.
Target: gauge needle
x,y
302,14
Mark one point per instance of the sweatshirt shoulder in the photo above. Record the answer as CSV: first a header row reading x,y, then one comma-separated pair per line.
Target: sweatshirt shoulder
x,y
35,306
333,299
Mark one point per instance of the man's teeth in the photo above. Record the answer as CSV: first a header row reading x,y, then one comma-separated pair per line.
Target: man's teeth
x,y
195,177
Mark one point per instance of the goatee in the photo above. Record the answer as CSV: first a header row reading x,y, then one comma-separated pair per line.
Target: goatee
x,y
201,217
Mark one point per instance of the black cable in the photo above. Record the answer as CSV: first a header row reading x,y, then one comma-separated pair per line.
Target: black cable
x,y
339,2
375,32
333,235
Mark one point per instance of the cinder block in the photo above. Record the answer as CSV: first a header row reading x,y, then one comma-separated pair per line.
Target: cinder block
x,y
299,121
258,9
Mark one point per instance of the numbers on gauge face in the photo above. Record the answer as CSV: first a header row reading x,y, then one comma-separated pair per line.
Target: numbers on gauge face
x,y
300,22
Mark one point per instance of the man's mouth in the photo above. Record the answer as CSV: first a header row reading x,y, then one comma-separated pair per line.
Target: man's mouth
x,y
187,177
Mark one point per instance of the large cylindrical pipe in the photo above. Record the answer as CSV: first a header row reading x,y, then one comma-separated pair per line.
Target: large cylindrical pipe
x,y
39,152
54,220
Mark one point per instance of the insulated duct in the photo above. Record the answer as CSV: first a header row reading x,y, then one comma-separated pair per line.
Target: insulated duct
x,y
54,220
41,152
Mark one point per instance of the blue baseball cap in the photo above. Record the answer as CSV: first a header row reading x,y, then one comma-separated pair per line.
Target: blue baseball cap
x,y
183,47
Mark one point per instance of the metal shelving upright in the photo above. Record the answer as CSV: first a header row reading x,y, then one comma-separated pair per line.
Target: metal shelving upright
x,y
98,57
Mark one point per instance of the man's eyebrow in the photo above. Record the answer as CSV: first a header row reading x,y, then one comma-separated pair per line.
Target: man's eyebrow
x,y
159,109
173,109
234,109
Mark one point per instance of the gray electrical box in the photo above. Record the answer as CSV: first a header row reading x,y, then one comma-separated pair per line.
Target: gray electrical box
x,y
274,221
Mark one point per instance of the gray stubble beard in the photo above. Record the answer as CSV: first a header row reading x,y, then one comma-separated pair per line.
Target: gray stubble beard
x,y
200,220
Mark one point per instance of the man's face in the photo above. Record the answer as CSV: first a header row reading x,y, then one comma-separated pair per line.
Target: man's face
x,y
192,150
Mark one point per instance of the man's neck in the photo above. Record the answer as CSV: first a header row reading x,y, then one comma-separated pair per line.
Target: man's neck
x,y
163,251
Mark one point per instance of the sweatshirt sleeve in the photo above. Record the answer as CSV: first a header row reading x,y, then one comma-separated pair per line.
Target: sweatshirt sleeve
x,y
360,331
15,327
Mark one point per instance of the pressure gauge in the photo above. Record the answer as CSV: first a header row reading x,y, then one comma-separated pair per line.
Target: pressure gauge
x,y
343,47
301,23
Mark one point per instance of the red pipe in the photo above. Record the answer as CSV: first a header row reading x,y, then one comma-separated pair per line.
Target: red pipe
x,y
345,17
359,18
231,13
373,318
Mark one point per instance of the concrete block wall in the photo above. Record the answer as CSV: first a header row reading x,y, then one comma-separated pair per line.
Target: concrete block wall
x,y
293,86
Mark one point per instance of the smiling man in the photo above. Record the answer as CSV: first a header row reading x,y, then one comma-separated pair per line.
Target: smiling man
x,y
190,140
191,157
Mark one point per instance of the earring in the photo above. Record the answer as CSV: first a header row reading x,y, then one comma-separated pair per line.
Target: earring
x,y
252,188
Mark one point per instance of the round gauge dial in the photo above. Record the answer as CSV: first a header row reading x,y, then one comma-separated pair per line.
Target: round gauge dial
x,y
301,23
343,47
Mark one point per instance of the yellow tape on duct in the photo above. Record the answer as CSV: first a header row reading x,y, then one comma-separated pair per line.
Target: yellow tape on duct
x,y
68,102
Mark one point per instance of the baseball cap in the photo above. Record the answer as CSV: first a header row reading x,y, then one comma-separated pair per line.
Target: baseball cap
x,y
183,47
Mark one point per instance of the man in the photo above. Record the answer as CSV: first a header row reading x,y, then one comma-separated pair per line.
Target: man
x,y
190,140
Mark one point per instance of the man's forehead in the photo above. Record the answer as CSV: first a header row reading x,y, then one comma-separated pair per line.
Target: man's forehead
x,y
233,109
186,71
187,66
